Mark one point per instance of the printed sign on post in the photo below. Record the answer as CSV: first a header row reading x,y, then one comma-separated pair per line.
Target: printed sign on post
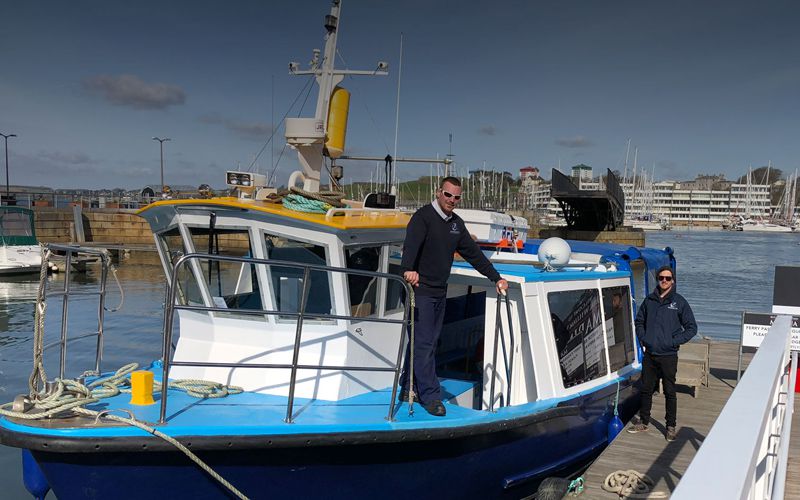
x,y
756,325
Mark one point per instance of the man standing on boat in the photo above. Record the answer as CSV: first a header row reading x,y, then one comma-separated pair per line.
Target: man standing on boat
x,y
664,322
433,235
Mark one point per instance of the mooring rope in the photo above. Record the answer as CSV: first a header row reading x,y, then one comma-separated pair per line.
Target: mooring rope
x,y
38,374
330,197
72,396
631,484
411,393
119,286
66,395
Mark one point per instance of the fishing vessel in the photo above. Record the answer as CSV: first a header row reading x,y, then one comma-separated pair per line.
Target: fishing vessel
x,y
20,252
285,323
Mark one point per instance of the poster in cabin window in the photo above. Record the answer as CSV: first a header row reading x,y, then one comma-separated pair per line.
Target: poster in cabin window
x,y
578,329
619,329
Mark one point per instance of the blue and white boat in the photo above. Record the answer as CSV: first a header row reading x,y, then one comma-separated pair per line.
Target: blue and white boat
x,y
298,321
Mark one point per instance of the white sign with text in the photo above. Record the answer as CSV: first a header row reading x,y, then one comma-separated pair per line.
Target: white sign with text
x,y
756,325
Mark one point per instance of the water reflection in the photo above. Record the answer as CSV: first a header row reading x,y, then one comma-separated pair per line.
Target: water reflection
x,y
17,297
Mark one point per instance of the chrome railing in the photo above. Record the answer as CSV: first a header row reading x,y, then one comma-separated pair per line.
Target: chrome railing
x,y
70,252
508,354
171,306
749,442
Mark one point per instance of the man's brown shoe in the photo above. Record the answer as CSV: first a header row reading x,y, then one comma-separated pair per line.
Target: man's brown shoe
x,y
672,434
640,427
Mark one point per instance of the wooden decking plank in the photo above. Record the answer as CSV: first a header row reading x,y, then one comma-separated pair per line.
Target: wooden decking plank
x,y
650,453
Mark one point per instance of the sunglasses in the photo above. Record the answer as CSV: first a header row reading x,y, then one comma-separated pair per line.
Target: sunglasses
x,y
665,278
451,195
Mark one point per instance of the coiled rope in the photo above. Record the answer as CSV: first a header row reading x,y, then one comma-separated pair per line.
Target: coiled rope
x,y
631,484
67,395
71,396
313,202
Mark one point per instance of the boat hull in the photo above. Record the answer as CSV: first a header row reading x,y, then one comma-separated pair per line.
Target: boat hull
x,y
507,459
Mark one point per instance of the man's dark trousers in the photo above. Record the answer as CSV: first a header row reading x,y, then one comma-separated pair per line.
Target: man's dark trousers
x,y
664,368
428,319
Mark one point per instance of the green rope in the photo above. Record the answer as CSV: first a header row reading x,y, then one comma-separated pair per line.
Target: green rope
x,y
302,204
576,487
333,198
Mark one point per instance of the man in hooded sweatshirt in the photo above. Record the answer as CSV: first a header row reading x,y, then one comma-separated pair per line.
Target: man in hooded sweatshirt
x,y
663,323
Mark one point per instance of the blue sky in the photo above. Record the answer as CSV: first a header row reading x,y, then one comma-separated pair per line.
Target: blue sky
x,y
699,87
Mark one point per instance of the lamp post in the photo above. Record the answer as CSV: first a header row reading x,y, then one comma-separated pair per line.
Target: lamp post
x,y
161,144
6,136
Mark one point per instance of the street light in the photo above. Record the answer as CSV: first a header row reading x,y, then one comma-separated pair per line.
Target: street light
x,y
161,144
8,196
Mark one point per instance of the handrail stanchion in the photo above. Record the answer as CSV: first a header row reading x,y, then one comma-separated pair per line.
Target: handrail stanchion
x,y
511,349
166,347
497,332
403,334
64,309
101,312
296,353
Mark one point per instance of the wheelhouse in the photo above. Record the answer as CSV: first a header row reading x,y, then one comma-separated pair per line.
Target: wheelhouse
x,y
556,334
342,309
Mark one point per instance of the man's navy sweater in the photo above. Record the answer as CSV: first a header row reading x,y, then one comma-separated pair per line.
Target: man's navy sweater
x,y
429,247
662,325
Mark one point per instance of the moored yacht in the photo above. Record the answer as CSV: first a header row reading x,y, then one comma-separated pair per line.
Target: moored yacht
x,y
20,252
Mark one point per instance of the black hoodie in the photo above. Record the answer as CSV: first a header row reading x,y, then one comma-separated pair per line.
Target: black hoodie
x,y
662,325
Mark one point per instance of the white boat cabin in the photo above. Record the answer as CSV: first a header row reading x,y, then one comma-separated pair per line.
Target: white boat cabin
x,y
572,329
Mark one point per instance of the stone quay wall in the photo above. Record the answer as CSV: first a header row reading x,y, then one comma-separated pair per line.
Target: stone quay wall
x,y
113,226
120,226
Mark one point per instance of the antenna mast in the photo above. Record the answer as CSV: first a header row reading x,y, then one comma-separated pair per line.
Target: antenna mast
x,y
308,135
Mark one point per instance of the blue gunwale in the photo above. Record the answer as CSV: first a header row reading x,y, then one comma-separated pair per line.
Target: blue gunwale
x,y
253,414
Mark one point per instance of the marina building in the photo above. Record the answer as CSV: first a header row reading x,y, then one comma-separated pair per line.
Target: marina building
x,y
706,201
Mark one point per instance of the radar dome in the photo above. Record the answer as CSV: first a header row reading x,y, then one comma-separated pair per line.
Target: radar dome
x,y
554,253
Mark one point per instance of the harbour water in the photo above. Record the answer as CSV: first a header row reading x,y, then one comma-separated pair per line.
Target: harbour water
x,y
720,273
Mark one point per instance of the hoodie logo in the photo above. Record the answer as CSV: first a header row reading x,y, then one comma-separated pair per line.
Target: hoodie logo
x,y
673,306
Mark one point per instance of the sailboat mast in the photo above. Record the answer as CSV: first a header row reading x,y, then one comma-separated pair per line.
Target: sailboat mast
x,y
397,110
627,154
633,184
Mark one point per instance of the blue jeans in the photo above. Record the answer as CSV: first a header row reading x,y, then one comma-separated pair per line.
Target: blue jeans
x,y
428,319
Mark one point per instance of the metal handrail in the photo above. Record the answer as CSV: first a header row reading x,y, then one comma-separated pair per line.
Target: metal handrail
x,y
170,307
508,356
748,458
65,293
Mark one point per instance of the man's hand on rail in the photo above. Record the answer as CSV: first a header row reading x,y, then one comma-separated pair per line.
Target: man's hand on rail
x,y
412,277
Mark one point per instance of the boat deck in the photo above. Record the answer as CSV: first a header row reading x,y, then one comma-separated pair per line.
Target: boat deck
x,y
253,414
665,462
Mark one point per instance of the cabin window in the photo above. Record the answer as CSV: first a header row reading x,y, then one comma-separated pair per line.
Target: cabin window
x,y
578,330
363,289
188,291
287,282
639,282
231,284
15,224
619,329
395,291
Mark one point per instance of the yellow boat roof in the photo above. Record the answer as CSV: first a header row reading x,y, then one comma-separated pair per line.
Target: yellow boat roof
x,y
341,219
